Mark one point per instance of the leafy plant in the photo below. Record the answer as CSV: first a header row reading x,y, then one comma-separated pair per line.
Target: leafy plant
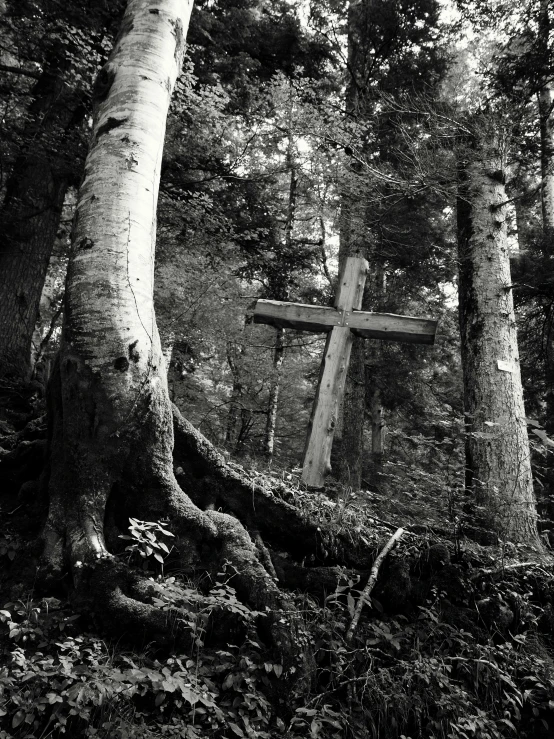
x,y
146,543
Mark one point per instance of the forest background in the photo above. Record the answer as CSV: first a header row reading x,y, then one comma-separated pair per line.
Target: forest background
x,y
299,135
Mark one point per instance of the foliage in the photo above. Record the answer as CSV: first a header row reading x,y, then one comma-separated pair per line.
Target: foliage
x,y
146,542
58,679
414,675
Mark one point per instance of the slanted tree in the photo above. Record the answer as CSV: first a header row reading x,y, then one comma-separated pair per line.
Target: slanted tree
x,y
111,446
498,457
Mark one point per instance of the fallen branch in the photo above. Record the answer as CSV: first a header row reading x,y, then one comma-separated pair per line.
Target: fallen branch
x,y
371,582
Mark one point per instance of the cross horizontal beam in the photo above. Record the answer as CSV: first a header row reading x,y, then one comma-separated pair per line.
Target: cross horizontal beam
x,y
387,326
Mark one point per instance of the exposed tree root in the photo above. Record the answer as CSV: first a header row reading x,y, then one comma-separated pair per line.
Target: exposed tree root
x,y
118,596
212,482
120,599
317,581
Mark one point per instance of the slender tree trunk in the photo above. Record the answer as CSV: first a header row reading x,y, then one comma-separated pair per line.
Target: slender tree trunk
x,y
112,438
498,458
31,212
278,356
374,371
234,352
279,346
546,115
546,118
246,423
377,429
347,454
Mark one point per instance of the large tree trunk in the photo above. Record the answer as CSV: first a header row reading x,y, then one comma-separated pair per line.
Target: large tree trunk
x,y
31,212
498,458
112,436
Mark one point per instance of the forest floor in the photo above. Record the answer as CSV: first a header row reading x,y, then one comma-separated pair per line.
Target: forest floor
x,y
456,639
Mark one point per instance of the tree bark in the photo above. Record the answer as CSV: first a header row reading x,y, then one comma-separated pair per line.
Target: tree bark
x,y
546,115
31,213
111,448
280,292
498,458
347,453
274,390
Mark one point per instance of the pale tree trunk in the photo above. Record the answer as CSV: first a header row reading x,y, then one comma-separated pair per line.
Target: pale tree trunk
x,y
279,345
498,457
31,213
274,390
112,436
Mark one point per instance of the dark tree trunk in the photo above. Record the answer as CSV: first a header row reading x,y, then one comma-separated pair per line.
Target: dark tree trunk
x,y
347,453
31,211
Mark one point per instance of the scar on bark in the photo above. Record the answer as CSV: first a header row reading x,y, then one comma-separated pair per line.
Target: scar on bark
x,y
134,356
178,32
103,83
121,364
110,124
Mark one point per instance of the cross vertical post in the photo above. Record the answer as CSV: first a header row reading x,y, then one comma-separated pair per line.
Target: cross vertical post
x,y
332,377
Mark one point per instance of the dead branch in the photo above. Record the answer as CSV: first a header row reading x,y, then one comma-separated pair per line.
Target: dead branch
x,y
371,582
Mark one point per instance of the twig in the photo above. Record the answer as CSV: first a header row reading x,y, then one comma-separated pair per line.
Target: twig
x,y
371,582
500,570
35,74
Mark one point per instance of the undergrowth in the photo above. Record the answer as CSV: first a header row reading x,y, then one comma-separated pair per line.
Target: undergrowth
x,y
471,660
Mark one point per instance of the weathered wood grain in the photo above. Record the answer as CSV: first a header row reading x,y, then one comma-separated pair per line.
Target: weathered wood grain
x,y
385,326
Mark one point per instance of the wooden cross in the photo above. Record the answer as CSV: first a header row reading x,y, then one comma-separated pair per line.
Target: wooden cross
x,y
341,324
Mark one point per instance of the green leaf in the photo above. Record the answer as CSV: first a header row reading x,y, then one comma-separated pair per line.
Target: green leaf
x,y
167,533
18,719
53,698
228,682
238,731
159,698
